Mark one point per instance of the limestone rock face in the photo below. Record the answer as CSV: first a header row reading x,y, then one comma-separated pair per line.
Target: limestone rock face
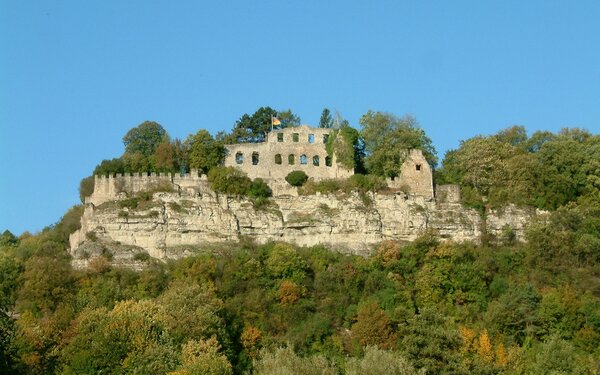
x,y
172,224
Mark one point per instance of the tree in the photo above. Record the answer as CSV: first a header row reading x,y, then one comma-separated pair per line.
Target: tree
x,y
163,158
387,140
144,138
373,327
8,239
253,128
46,281
288,119
109,167
229,180
204,151
377,361
285,361
326,120
431,342
86,188
203,357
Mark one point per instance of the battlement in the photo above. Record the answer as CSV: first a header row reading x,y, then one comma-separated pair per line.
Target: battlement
x,y
108,187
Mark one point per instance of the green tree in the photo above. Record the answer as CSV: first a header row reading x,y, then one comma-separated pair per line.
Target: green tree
x,y
109,341
86,188
431,342
326,121
387,139
109,167
377,361
46,281
203,357
163,159
252,128
144,138
288,118
348,148
8,239
229,180
285,361
204,151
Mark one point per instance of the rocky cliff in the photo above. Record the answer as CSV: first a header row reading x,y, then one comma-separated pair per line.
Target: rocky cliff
x,y
172,225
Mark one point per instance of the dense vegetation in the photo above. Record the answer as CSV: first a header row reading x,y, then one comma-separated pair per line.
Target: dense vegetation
x,y
497,308
545,170
448,308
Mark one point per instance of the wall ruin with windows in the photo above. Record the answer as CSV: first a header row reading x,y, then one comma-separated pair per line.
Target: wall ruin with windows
x,y
286,150
303,148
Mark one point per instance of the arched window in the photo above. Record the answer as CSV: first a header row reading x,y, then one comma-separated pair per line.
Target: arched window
x,y
303,159
325,138
328,161
316,160
255,158
239,158
291,159
278,159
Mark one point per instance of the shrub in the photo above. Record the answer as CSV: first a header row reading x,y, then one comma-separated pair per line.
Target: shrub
x,y
142,256
229,180
129,203
259,189
296,178
368,182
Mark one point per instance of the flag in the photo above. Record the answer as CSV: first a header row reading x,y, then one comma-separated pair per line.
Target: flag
x,y
275,121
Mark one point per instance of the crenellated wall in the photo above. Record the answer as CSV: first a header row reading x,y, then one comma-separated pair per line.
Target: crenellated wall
x,y
107,188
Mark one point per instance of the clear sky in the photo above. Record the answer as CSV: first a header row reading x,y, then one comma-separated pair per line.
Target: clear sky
x,y
75,76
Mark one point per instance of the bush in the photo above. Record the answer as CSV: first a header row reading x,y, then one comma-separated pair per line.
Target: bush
x,y
296,178
368,182
259,189
229,180
86,188
131,203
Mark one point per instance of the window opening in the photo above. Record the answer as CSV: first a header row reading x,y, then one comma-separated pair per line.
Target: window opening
x,y
303,159
239,158
328,161
278,159
325,138
311,138
418,167
279,137
255,158
316,160
295,137
291,159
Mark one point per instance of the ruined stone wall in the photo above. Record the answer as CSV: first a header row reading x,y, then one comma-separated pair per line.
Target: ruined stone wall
x,y
107,188
447,194
286,150
415,177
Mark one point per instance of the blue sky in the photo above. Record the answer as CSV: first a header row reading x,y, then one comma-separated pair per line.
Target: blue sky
x,y
75,76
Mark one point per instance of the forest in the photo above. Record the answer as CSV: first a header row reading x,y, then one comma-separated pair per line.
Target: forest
x,y
426,307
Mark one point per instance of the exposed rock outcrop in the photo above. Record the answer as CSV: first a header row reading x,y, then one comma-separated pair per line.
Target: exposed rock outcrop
x,y
171,225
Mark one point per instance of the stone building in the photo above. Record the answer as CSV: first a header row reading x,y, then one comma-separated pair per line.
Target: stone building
x,y
303,148
286,150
